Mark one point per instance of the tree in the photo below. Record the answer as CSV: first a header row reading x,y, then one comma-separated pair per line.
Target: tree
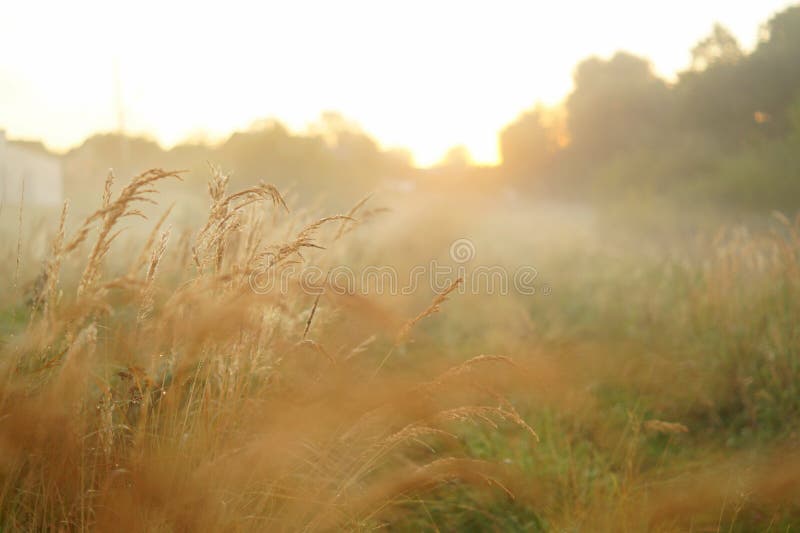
x,y
616,105
775,68
721,47
456,157
527,145
716,94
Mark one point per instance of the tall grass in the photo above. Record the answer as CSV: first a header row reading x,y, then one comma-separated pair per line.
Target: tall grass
x,y
148,387
154,390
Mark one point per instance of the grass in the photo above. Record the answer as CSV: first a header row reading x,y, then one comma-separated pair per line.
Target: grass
x,y
145,386
165,394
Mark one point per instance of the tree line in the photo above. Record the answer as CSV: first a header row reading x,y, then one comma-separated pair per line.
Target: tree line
x,y
727,131
334,156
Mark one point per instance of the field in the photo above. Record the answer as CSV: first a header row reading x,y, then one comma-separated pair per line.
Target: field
x,y
207,372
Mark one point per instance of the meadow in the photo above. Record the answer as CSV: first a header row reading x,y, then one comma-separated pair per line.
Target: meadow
x,y
650,383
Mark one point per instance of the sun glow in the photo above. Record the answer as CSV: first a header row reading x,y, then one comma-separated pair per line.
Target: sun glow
x,y
421,75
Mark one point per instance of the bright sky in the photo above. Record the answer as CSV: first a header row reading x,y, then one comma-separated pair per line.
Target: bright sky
x,y
425,75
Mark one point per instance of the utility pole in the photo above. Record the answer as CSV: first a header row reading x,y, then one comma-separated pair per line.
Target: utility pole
x,y
120,112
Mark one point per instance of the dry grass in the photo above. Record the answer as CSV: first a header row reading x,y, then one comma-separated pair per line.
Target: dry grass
x,y
172,397
150,388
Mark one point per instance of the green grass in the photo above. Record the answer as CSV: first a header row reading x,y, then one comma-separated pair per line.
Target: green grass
x,y
707,338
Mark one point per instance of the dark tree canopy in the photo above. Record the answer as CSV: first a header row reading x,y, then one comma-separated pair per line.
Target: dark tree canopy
x,y
333,152
527,145
775,67
721,47
728,127
617,104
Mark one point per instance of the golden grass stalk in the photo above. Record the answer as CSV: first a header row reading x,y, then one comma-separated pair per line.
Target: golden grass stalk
x,y
205,413
667,428
433,308
137,191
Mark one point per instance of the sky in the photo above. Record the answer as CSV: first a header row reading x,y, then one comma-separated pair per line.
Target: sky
x,y
423,75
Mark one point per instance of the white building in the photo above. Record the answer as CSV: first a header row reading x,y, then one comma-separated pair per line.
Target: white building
x,y
29,163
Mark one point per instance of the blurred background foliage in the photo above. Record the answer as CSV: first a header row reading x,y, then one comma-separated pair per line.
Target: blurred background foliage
x,y
725,133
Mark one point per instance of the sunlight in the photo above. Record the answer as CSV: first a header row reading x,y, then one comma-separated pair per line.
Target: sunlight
x,y
419,75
